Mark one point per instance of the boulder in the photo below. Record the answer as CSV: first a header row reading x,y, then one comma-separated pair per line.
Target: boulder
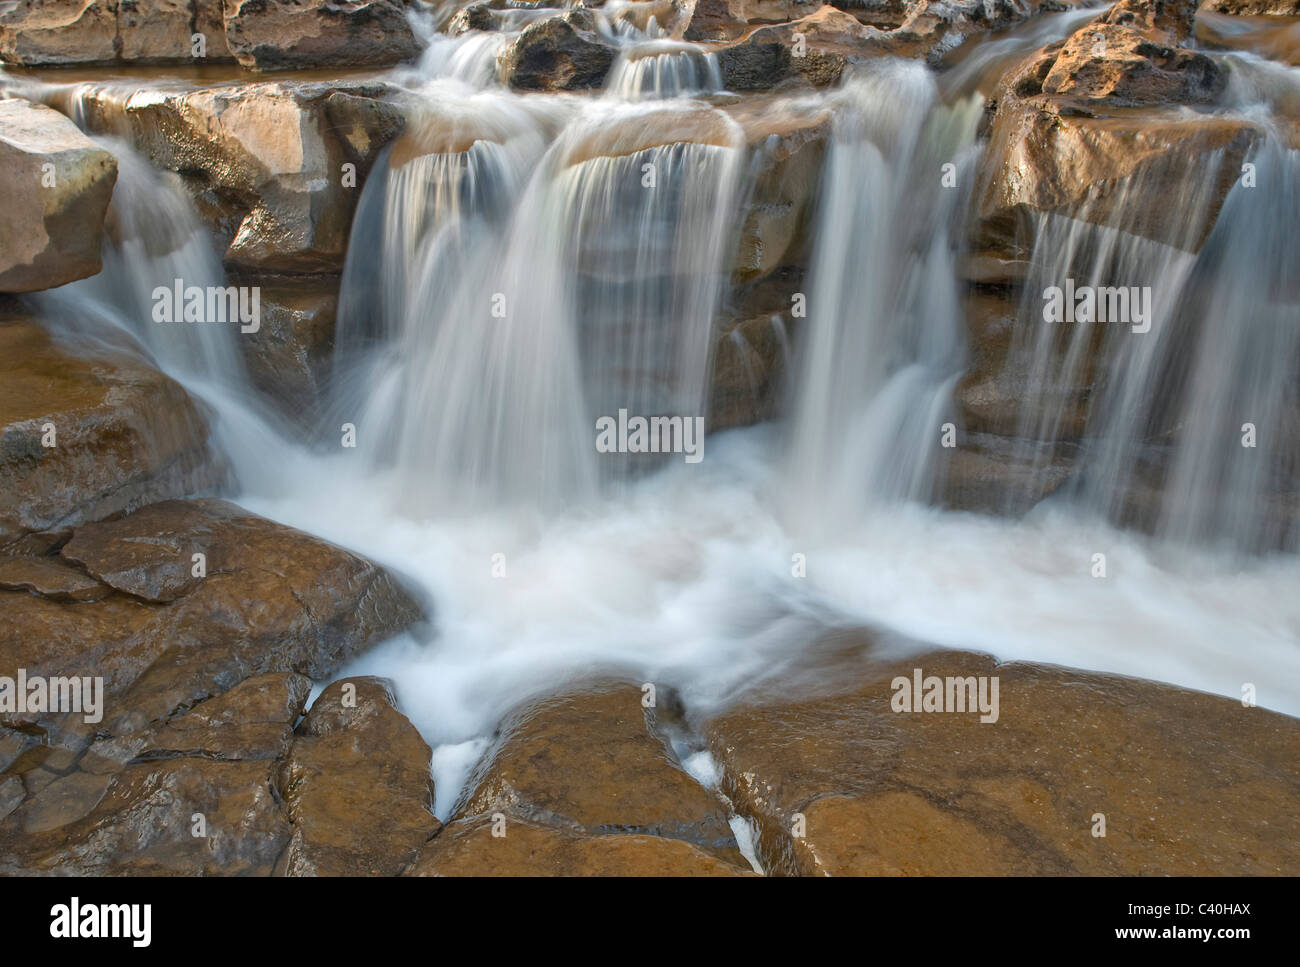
x,y
356,785
287,34
120,435
169,639
284,160
578,782
1188,783
563,53
57,184
1065,138
817,48
288,358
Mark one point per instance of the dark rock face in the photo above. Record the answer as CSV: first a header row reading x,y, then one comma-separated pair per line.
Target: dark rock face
x,y
558,54
280,34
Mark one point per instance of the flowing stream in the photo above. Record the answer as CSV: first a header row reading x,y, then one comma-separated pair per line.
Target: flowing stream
x,y
521,266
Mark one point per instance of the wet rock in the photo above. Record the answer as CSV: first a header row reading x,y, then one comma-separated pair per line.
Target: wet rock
x,y
1188,783
123,435
356,785
561,53
272,600
193,766
1047,155
817,48
287,158
785,169
998,389
1004,475
750,368
185,816
57,184
476,16
50,577
279,34
570,777
469,848
288,357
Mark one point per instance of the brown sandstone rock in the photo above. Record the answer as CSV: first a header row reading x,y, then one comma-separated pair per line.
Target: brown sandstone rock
x,y
468,848
356,785
273,600
125,435
285,158
39,33
279,34
1189,784
46,32
56,183
581,785
288,357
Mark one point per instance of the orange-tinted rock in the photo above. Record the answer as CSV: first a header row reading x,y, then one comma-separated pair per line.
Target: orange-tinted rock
x,y
356,785
1189,784
469,848
123,435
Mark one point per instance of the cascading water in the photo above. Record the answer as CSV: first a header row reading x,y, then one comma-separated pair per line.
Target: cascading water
x,y
1168,399
884,345
520,307
468,406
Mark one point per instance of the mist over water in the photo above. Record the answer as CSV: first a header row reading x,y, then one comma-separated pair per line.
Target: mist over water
x,y
476,430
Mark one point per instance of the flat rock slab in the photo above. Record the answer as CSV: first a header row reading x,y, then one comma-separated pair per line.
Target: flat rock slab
x,y
1188,783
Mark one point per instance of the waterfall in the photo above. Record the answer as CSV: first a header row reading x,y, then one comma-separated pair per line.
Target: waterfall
x,y
513,291
659,69
884,346
154,237
1167,407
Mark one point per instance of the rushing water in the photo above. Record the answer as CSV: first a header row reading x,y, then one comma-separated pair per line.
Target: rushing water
x,y
521,266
